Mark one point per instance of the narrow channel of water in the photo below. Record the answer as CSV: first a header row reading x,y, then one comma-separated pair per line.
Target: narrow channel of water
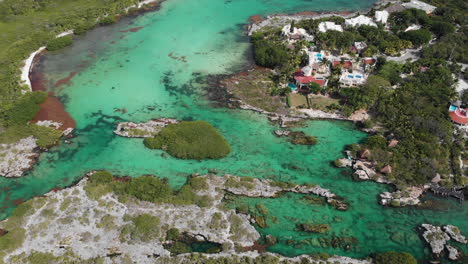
x,y
159,71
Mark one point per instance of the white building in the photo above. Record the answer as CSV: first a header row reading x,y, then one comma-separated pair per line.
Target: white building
x,y
381,16
359,21
353,79
420,5
359,46
326,26
296,33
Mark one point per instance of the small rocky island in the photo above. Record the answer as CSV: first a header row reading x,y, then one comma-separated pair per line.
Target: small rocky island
x,y
184,140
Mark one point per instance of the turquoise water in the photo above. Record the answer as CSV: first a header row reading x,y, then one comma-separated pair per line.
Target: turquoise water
x,y
160,71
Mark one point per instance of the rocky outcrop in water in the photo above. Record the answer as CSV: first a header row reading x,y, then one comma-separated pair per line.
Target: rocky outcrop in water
x,y
143,130
435,237
408,196
455,234
453,253
17,157
265,188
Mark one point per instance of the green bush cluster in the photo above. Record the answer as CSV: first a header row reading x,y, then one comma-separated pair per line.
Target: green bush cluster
x,y
147,188
395,258
25,108
172,234
417,37
144,228
190,140
59,43
101,177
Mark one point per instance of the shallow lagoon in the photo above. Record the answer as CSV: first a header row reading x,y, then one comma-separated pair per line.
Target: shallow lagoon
x,y
159,71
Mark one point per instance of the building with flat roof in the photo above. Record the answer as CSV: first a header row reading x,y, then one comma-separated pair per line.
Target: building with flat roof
x,y
420,5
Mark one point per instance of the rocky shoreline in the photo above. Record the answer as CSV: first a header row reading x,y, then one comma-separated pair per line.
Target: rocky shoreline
x,y
257,22
18,157
83,223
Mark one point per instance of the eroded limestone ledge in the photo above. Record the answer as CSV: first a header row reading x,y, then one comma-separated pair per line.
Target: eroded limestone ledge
x,y
73,224
17,157
143,130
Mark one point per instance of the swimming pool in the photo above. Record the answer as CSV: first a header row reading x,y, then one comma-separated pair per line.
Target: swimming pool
x,y
452,108
292,86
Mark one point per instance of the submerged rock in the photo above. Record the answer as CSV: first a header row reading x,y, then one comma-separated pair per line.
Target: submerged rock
x,y
282,133
408,196
314,228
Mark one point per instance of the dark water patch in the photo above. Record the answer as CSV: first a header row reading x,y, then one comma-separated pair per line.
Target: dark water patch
x,y
65,80
135,29
187,89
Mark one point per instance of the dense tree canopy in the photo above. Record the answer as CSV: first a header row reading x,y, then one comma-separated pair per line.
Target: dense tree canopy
x,y
417,37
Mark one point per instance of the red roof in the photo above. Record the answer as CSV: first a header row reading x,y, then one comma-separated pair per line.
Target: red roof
x,y
459,116
369,61
346,64
309,79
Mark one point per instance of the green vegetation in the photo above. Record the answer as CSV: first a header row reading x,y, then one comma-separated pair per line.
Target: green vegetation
x,y
395,258
147,188
421,126
337,163
296,100
144,228
101,177
417,37
15,121
172,234
324,103
25,108
178,247
190,140
270,51
59,43
256,88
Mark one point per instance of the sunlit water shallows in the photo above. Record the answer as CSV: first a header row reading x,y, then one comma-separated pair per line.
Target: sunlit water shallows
x,y
160,71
